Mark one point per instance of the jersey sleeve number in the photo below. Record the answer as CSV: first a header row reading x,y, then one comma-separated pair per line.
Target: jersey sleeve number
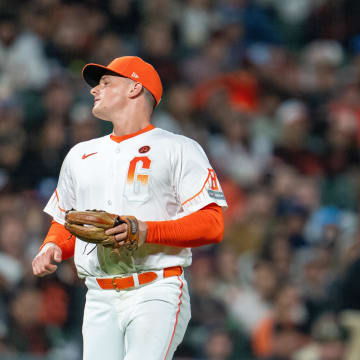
x,y
137,182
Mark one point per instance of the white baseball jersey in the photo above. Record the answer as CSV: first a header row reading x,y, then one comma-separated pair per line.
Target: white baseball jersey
x,y
153,175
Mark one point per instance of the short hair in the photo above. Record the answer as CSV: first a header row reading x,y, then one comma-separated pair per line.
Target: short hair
x,y
149,98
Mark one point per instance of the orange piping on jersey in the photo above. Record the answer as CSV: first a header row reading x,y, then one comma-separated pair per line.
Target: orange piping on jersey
x,y
198,192
61,237
57,198
119,139
177,316
203,227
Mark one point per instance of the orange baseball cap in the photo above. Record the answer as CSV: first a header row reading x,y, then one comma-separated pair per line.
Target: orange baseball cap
x,y
131,67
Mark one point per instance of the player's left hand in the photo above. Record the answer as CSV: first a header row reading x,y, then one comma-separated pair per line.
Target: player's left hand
x,y
121,232
109,230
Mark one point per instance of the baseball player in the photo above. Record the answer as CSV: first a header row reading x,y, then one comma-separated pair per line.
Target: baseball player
x,y
137,303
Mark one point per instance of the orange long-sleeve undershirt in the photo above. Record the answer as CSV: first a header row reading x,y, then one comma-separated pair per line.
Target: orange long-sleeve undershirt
x,y
61,237
203,227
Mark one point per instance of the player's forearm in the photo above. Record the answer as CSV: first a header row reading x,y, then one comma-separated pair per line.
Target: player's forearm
x,y
61,237
203,227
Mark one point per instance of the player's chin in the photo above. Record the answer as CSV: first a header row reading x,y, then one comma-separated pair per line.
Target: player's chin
x,y
99,113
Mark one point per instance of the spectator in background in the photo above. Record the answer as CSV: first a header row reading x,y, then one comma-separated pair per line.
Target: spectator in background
x,y
316,272
247,164
258,26
339,185
279,251
12,118
26,332
168,11
294,147
281,334
83,125
124,18
265,125
12,142
58,98
253,302
178,114
318,70
197,23
248,235
12,147
110,46
219,346
209,62
44,160
329,341
207,311
22,58
157,46
13,240
71,39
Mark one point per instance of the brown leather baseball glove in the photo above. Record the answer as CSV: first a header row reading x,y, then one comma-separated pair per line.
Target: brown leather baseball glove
x,y
90,226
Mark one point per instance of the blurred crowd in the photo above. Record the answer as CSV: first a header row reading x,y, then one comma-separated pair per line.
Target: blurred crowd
x,y
271,90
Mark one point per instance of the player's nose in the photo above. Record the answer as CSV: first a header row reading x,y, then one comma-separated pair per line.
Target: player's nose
x,y
94,90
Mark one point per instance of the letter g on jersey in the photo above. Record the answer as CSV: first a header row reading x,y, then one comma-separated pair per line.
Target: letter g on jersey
x,y
137,183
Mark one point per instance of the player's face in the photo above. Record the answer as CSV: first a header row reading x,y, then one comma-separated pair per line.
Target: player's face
x,y
110,96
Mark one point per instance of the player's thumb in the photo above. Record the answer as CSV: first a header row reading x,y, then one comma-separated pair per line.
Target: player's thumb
x,y
57,255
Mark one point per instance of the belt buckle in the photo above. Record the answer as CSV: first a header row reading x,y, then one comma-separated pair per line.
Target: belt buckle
x,y
114,283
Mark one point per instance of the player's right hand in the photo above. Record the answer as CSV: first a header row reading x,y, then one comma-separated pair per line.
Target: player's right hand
x,y
43,263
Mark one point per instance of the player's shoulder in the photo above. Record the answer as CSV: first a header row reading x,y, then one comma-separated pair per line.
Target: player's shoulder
x,y
173,139
91,145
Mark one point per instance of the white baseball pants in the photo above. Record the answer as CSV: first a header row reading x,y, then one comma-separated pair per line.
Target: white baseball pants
x,y
147,322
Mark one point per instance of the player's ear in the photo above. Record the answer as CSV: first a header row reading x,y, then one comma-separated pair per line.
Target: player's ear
x,y
135,89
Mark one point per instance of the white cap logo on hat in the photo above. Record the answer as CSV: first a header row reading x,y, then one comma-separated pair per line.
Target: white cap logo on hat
x,y
135,75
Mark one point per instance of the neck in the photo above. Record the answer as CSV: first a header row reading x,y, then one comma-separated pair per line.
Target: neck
x,y
131,120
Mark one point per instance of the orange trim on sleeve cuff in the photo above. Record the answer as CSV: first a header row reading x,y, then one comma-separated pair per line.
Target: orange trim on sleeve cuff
x,y
61,237
202,227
